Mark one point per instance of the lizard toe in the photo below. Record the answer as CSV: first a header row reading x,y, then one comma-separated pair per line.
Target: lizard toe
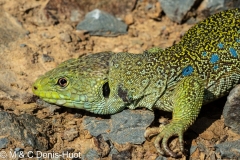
x,y
157,144
165,147
151,132
161,142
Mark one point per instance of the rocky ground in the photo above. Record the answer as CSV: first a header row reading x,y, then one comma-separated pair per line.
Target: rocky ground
x,y
37,35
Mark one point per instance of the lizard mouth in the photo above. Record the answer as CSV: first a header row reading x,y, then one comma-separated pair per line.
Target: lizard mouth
x,y
35,88
64,102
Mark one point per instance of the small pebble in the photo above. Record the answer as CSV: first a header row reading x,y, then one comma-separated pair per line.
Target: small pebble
x,y
3,143
23,45
65,37
47,58
129,19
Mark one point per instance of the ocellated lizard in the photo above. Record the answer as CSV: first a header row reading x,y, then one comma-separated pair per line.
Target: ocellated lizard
x,y
202,67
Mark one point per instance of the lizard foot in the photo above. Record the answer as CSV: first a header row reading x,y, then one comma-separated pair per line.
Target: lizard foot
x,y
164,134
172,129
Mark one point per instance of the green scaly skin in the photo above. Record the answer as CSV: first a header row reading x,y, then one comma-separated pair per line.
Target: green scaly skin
x,y
202,67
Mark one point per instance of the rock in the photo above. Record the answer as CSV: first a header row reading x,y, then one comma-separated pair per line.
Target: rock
x,y
10,29
47,35
193,149
23,45
130,125
232,109
17,150
126,155
47,58
161,158
50,107
96,126
154,11
7,78
212,7
24,129
103,147
176,10
113,151
70,134
3,142
202,148
65,37
91,154
126,126
100,23
229,149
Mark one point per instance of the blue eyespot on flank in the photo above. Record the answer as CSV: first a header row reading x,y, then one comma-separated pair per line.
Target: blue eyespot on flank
x,y
220,45
233,52
215,67
204,53
214,58
187,71
237,40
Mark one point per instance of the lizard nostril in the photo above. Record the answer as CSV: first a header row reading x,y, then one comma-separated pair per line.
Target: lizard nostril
x,y
35,88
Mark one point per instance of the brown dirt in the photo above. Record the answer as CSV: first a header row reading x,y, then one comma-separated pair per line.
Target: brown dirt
x,y
20,66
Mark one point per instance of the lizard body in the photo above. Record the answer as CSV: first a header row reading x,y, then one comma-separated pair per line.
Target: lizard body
x,y
202,67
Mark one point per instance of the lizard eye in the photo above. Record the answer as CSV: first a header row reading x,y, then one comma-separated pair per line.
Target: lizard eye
x,y
62,82
106,90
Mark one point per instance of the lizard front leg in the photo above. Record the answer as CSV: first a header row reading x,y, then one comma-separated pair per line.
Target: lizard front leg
x,y
187,99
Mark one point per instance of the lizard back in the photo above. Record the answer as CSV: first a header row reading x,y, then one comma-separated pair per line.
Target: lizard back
x,y
209,50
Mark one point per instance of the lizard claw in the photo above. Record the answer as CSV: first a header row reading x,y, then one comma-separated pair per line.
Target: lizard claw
x,y
151,132
161,142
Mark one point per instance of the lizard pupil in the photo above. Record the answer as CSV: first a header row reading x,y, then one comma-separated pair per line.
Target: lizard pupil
x,y
106,90
62,82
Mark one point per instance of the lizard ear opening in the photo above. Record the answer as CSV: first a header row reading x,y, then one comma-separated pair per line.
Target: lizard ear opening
x,y
106,90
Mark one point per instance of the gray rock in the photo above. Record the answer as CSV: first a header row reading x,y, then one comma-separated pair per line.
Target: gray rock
x,y
232,109
18,149
130,125
47,58
193,149
100,23
113,151
26,129
176,10
123,127
213,7
229,149
52,108
161,158
91,154
23,45
97,126
3,142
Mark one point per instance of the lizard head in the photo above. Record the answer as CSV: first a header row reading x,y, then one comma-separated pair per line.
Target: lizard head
x,y
77,83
